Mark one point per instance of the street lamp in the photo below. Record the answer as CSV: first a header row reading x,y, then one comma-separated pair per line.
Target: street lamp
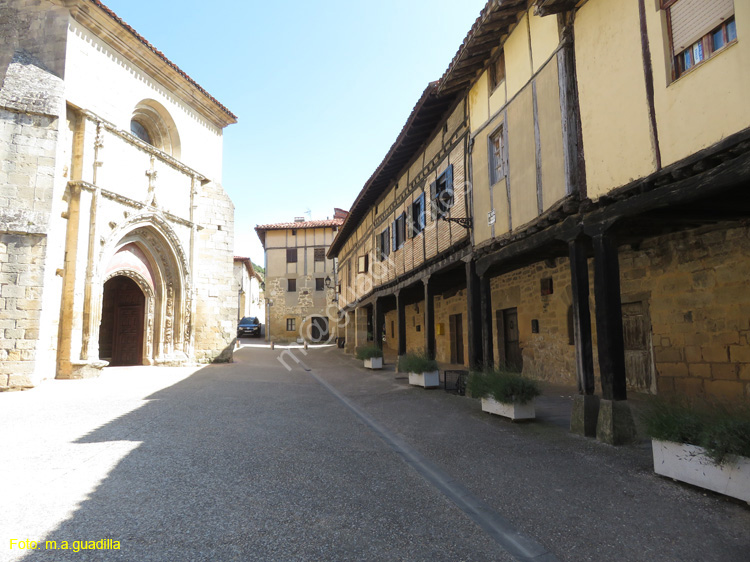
x,y
328,282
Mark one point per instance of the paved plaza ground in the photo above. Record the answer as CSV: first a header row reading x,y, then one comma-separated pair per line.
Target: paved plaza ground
x,y
327,461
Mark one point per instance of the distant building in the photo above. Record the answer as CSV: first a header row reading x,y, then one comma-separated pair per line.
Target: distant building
x,y
116,235
249,285
301,282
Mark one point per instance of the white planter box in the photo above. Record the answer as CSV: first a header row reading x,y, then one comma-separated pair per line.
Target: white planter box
x,y
374,363
427,380
513,411
688,463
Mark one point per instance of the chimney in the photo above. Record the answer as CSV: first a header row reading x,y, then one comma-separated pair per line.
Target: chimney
x,y
340,213
299,219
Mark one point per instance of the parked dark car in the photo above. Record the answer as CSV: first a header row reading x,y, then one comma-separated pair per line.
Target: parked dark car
x,y
248,326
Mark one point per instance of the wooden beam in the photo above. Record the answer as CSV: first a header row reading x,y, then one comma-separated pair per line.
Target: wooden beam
x,y
579,278
610,342
429,319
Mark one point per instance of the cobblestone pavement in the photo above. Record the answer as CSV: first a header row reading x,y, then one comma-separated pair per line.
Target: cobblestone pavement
x,y
328,461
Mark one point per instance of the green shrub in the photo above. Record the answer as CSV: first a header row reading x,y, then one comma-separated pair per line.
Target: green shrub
x,y
504,386
721,429
416,363
369,352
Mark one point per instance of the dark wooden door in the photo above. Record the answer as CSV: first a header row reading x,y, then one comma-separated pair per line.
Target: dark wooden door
x,y
456,332
508,318
636,329
129,305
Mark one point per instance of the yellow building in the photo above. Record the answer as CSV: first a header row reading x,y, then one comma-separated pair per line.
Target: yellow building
x,y
602,149
300,283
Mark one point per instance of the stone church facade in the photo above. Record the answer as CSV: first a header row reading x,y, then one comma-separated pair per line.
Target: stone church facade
x,y
116,235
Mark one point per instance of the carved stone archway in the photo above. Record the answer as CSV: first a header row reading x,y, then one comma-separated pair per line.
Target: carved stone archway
x,y
158,264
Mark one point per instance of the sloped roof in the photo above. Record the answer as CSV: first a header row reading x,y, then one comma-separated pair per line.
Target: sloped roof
x,y
232,117
327,223
423,119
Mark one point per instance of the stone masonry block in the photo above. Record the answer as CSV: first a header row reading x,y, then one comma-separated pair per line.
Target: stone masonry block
x,y
739,353
668,355
693,354
744,372
715,354
701,370
689,386
13,291
730,390
724,371
14,333
672,369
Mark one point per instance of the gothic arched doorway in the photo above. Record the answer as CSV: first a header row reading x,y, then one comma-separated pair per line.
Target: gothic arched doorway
x,y
121,331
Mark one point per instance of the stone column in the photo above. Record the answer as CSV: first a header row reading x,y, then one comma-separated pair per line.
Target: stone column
x,y
615,422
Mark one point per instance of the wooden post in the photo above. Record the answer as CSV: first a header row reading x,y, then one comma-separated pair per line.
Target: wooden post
x,y
486,320
579,279
429,319
610,342
401,313
474,313
379,320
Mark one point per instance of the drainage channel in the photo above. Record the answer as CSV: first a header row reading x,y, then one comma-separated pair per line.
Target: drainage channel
x,y
519,546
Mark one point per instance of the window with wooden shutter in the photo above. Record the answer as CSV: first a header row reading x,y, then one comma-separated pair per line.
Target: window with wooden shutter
x,y
384,243
362,264
496,156
291,255
497,70
698,29
442,193
416,218
320,254
319,284
291,285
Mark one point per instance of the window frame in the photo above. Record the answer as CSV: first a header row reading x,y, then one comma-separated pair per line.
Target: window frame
x,y
399,232
292,252
417,219
291,322
320,284
494,81
496,161
319,255
291,285
384,244
677,60
363,263
443,184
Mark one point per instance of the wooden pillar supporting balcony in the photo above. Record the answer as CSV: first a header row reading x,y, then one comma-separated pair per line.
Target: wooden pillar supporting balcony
x,y
485,303
429,319
401,314
615,422
474,310
585,405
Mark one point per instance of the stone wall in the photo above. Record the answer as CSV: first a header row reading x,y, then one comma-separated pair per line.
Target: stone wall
x,y
30,105
697,283
549,354
694,290
216,294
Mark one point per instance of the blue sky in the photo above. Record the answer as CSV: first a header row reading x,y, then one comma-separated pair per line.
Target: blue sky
x,y
321,89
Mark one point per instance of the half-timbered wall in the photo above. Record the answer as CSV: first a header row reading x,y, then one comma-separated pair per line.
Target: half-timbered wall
x,y
524,109
627,132
447,147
